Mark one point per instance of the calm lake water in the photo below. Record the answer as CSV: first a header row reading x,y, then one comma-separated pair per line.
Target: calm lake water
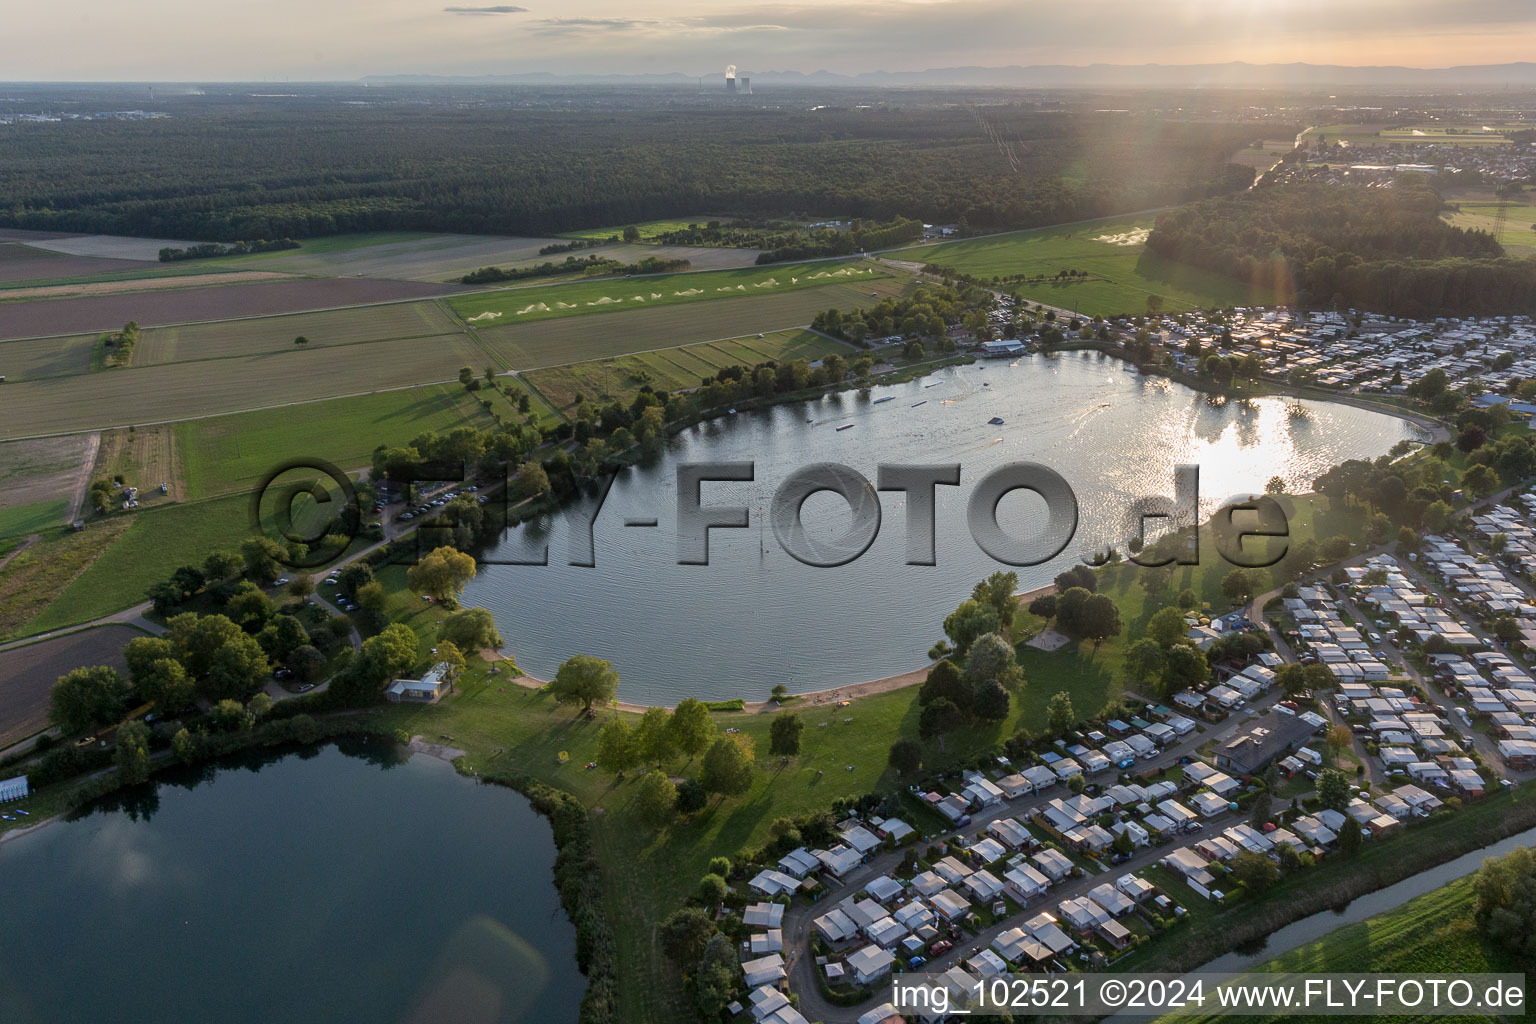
x,y
337,884
755,617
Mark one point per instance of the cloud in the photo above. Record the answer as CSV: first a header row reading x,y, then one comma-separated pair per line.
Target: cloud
x,y
577,26
498,9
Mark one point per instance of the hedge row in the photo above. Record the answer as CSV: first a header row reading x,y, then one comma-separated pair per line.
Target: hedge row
x,y
579,877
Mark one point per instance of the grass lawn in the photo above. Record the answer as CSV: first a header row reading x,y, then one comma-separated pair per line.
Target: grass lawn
x,y
227,452
525,305
1121,273
25,519
674,369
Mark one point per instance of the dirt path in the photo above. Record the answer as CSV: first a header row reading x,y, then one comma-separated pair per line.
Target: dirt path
x,y
83,475
31,539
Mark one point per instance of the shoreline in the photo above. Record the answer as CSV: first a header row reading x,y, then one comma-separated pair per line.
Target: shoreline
x,y
833,694
16,833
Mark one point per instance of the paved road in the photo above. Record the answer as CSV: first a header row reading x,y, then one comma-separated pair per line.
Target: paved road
x,y
798,917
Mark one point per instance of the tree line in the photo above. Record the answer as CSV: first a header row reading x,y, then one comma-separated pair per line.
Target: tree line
x,y
590,265
1339,246
212,250
227,169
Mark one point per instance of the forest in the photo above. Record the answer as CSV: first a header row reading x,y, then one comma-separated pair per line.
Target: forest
x,y
217,170
1347,246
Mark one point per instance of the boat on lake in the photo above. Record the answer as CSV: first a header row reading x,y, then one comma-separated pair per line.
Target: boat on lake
x,y
996,421
887,398
916,404
846,426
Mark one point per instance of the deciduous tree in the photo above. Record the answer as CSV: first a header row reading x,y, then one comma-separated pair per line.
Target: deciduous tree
x,y
727,765
784,734
1060,716
585,680
906,755
88,697
656,799
442,574
691,727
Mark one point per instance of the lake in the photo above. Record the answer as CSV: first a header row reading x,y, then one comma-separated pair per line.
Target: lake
x,y
336,884
755,616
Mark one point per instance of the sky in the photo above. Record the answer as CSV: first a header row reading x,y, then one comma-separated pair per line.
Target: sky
x,y
236,40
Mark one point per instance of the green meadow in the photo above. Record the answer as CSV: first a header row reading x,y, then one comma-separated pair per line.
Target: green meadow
x,y
25,519
1120,273
225,452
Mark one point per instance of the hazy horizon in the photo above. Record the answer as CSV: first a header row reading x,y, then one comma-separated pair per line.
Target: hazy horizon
x,y
342,40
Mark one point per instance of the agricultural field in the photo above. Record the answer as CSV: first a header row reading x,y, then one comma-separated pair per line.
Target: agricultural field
x,y
119,247
180,391
37,319
673,369
143,277
144,457
1112,252
277,333
1469,133
27,674
222,453
44,471
1519,233
581,298
25,263
46,357
577,339
399,255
